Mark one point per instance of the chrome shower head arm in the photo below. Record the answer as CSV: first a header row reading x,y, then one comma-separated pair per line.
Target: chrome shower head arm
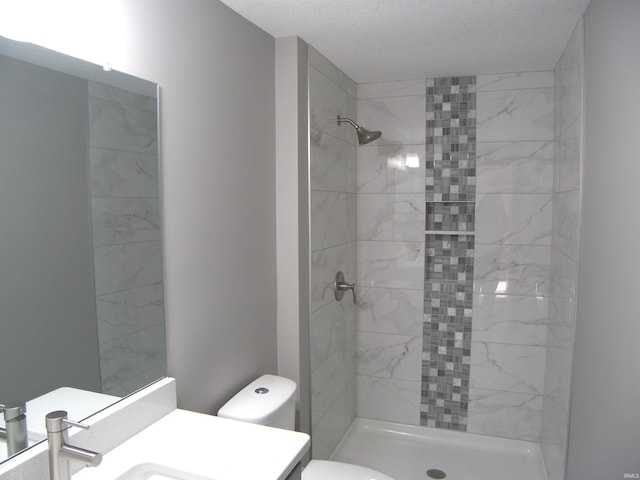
x,y
364,136
348,120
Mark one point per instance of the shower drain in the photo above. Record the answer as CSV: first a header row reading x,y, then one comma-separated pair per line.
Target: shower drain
x,y
435,473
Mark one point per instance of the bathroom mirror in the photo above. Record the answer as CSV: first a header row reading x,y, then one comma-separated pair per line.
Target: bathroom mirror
x,y
81,293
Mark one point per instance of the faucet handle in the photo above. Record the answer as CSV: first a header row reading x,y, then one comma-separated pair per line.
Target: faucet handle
x,y
72,423
57,421
340,286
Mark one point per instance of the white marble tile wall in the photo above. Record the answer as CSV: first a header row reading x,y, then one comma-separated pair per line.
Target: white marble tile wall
x,y
117,358
125,220
124,312
126,266
390,399
514,208
388,264
522,114
333,248
564,256
119,126
115,173
126,236
390,234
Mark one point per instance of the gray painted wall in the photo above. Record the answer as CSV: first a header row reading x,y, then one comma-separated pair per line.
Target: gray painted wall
x,y
292,197
46,260
216,72
604,438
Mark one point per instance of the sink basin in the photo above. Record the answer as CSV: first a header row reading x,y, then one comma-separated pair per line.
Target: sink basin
x,y
151,471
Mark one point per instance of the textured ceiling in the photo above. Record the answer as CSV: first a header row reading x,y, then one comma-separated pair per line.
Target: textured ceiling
x,y
377,40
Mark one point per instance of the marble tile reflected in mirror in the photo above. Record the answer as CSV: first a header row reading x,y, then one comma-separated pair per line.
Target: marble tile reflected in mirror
x,y
81,290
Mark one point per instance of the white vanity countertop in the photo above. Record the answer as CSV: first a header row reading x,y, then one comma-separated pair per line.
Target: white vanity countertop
x,y
206,446
78,403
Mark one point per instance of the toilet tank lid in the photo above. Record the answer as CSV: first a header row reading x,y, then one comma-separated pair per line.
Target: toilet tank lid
x,y
255,404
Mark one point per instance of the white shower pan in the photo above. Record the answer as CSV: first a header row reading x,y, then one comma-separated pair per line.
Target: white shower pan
x,y
408,452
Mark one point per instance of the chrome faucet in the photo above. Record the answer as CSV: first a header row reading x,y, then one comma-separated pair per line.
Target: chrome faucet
x,y
15,431
60,452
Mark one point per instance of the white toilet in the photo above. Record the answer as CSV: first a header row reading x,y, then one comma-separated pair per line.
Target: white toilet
x,y
270,400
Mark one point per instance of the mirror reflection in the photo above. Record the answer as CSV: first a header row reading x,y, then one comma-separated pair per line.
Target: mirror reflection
x,y
81,296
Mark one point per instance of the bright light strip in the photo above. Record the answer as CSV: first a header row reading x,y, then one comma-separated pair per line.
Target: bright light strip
x,y
501,288
412,160
89,29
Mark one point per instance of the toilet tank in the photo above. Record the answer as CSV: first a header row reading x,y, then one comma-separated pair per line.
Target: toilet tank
x,y
269,400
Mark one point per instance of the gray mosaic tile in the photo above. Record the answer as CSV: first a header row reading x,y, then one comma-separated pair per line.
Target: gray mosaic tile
x,y
450,216
448,300
449,258
450,139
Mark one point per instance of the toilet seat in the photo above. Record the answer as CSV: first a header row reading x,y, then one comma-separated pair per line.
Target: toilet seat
x,y
327,470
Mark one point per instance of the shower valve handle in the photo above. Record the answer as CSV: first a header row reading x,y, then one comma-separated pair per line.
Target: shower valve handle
x,y
340,286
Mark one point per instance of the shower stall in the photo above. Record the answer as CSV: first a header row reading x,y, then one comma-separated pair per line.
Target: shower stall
x,y
458,226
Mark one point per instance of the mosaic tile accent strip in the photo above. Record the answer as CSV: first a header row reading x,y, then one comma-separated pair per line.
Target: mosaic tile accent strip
x,y
449,258
450,184
450,216
451,139
446,355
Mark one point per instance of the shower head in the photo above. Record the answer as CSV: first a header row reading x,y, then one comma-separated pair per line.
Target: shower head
x,y
364,136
